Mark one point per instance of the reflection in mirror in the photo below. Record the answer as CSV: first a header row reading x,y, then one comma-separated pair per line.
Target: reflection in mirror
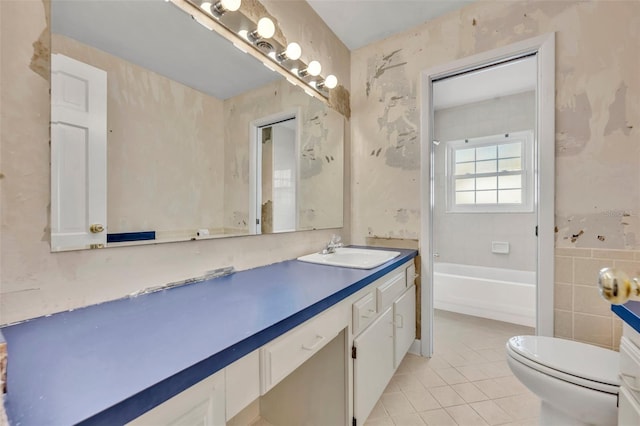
x,y
278,176
180,103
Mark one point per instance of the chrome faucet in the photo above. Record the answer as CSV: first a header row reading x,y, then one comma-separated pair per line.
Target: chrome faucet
x,y
336,242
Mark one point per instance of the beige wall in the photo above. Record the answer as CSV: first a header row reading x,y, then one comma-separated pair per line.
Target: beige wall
x,y
35,282
597,118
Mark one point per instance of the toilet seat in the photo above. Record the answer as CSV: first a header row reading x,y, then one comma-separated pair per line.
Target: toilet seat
x,y
577,363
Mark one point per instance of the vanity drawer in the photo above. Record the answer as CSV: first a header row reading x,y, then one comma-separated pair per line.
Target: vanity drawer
x,y
283,355
391,289
364,311
629,409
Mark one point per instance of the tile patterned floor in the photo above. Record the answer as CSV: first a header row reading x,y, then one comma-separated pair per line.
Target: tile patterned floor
x,y
466,382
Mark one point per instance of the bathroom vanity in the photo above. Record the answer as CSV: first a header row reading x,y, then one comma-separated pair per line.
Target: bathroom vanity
x,y
629,397
293,342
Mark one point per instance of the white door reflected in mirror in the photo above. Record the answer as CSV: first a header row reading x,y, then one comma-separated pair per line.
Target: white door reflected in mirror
x,y
278,179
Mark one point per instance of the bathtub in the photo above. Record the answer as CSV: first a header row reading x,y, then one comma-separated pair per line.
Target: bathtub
x,y
500,294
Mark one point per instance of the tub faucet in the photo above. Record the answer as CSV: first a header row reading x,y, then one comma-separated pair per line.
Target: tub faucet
x,y
336,241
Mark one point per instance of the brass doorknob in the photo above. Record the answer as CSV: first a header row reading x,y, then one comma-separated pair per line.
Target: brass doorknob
x,y
96,228
616,286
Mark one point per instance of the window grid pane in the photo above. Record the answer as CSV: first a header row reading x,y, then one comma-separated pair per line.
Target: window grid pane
x,y
510,164
509,150
465,184
486,197
489,175
465,155
510,196
486,166
487,153
465,168
510,182
466,197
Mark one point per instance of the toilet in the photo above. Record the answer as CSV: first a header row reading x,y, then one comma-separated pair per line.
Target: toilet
x,y
577,383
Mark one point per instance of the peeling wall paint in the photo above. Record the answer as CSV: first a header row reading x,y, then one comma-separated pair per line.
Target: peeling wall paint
x,y
34,281
40,63
597,112
574,121
618,113
398,122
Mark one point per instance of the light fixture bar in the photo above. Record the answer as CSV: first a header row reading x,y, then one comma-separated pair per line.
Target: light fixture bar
x,y
286,63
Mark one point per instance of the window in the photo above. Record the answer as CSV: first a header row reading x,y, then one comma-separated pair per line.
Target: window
x,y
491,174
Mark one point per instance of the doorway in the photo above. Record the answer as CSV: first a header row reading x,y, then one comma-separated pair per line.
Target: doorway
x,y
274,182
487,170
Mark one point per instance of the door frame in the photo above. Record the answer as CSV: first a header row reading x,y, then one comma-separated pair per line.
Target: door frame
x,y
255,162
543,47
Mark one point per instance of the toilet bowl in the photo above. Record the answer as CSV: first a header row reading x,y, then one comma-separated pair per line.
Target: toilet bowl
x,y
577,383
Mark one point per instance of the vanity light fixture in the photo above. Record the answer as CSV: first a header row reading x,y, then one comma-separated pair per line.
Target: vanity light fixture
x,y
313,69
266,29
284,60
292,52
219,8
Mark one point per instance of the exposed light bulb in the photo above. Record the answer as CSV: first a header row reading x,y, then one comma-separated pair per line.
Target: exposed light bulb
x,y
314,68
266,28
294,51
331,81
244,34
207,7
220,7
230,5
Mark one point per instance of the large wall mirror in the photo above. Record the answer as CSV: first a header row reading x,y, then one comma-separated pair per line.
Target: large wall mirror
x,y
202,140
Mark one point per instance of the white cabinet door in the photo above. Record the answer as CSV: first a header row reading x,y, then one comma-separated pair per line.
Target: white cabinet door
x,y
404,311
373,365
629,409
201,405
242,379
78,154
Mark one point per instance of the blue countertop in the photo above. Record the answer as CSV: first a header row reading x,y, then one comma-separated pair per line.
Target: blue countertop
x,y
109,363
629,313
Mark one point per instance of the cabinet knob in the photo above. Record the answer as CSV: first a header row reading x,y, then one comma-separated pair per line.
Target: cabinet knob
x,y
96,228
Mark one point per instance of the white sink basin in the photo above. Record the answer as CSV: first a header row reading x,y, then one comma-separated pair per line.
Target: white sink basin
x,y
351,257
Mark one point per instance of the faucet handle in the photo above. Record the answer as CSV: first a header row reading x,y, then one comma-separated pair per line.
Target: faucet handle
x,y
336,240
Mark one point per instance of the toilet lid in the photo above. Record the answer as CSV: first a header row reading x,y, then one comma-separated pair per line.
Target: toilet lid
x,y
577,359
